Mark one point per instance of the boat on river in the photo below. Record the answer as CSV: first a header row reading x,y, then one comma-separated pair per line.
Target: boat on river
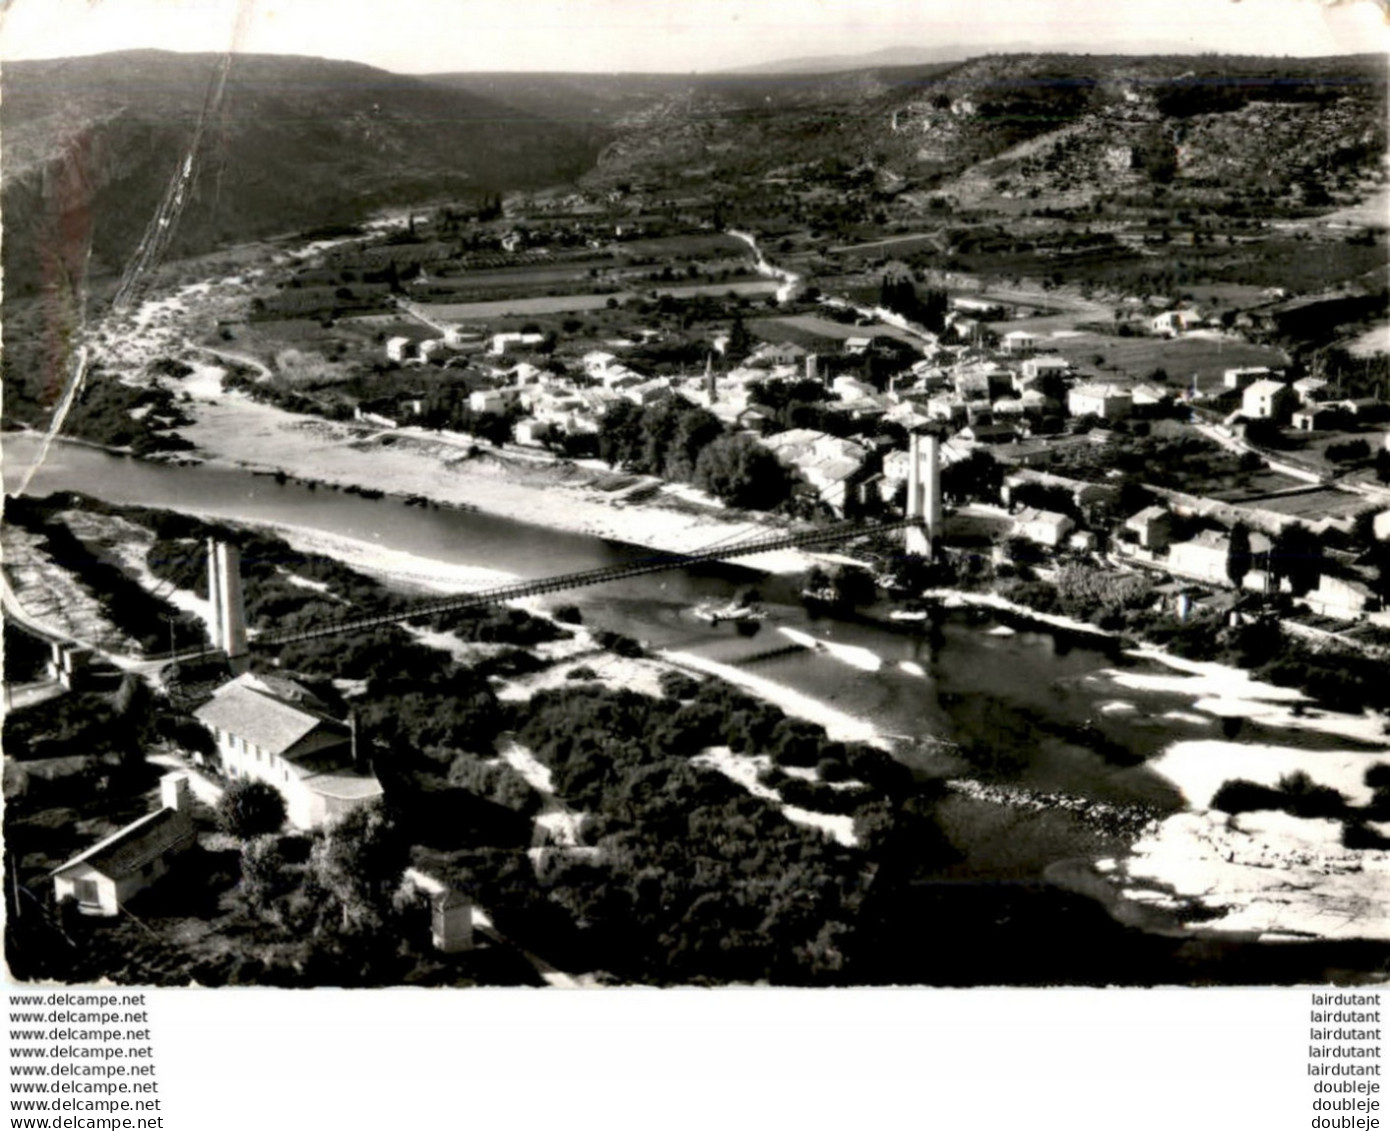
x,y
712,613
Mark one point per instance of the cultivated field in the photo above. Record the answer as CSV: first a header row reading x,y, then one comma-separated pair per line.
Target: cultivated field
x,y
559,304
1179,358
803,328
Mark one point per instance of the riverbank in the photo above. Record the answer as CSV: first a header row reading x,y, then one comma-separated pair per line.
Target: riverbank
x,y
1263,874
960,598
232,430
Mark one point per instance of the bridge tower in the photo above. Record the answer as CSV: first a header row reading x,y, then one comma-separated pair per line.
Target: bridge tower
x,y
228,607
923,493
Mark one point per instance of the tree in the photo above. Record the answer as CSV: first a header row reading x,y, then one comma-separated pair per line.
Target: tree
x,y
265,873
1238,555
740,340
742,472
249,808
620,434
358,864
978,476
1296,554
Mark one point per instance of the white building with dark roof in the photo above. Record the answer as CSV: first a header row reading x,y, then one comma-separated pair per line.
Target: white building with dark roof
x,y
1046,528
113,871
1267,400
273,730
1246,375
1102,399
1019,341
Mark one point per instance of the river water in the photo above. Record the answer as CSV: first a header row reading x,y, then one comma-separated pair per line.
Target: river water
x,y
1035,707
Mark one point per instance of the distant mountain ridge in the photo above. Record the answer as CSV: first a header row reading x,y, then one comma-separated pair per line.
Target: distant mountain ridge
x,y
911,56
90,144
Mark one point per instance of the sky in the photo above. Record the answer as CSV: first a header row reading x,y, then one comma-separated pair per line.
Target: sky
x,y
425,36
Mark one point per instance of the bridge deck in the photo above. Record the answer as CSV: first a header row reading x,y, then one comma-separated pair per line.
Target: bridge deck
x,y
577,580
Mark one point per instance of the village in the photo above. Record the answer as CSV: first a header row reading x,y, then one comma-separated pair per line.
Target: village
x,y
1056,409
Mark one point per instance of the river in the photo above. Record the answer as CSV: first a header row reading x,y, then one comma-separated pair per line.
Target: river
x,y
1035,707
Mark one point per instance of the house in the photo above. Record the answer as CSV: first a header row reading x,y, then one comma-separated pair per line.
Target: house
x,y
597,362
532,432
1082,493
272,730
949,408
1205,556
1046,528
1267,400
972,385
1146,395
849,388
501,343
378,419
1246,375
462,338
1365,408
1342,598
829,464
1313,416
1153,529
619,377
784,353
979,307
1019,342
1036,368
999,433
857,346
492,400
1309,389
1109,402
113,871
649,392
397,349
1172,322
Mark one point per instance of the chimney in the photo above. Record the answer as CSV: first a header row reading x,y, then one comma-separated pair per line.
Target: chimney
x,y
174,791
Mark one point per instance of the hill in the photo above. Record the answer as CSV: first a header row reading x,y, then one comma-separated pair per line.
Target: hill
x,y
912,56
90,145
1058,129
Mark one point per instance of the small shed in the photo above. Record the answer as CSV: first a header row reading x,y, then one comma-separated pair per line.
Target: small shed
x,y
113,871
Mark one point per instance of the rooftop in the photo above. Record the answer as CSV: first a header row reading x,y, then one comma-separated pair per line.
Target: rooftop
x,y
134,846
264,712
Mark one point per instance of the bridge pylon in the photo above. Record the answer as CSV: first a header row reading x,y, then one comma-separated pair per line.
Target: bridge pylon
x,y
228,604
923,494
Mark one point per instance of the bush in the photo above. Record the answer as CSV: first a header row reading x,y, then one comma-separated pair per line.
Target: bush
x,y
619,644
678,685
497,782
1351,450
1241,796
1296,794
249,808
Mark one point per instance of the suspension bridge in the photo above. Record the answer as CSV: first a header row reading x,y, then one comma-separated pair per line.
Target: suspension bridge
x,y
582,579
